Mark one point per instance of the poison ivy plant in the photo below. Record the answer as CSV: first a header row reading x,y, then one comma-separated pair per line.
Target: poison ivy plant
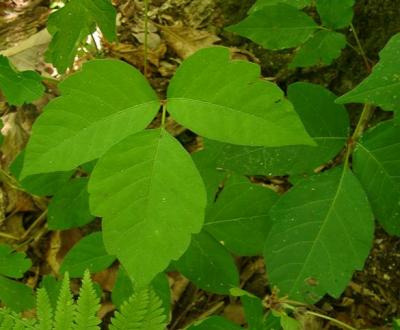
x,y
382,86
310,256
280,24
71,24
140,183
19,87
14,265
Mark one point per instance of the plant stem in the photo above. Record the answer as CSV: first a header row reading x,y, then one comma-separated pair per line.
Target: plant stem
x,y
146,32
337,322
362,52
163,115
366,115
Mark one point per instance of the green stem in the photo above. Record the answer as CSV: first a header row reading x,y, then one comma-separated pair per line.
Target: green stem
x,y
163,115
362,52
146,33
337,322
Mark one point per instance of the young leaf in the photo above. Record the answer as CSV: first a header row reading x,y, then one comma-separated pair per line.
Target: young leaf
x,y
10,289
253,111
335,14
100,106
13,264
75,197
147,187
71,24
239,217
382,86
44,310
254,311
324,120
322,48
263,3
376,164
276,27
215,323
19,87
142,311
64,314
39,184
322,231
209,265
88,254
87,306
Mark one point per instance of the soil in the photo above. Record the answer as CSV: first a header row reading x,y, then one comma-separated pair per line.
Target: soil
x,y
372,298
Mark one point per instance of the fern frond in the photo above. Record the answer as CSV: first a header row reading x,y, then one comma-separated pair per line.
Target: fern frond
x,y
44,310
87,306
7,321
64,315
10,320
143,310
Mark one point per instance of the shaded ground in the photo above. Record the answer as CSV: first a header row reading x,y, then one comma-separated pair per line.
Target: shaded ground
x,y
178,28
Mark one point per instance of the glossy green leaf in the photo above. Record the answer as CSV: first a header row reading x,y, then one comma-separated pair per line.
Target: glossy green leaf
x,y
141,188
88,254
239,218
102,104
15,295
382,86
324,120
276,27
215,323
19,87
335,14
73,196
209,265
229,102
254,312
71,25
263,3
321,49
376,163
39,184
13,264
287,322
322,232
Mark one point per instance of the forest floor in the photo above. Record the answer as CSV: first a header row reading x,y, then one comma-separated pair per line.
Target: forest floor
x,y
177,29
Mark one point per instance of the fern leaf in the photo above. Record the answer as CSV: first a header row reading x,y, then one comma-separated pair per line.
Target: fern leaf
x,y
64,315
10,320
87,306
44,310
142,311
7,322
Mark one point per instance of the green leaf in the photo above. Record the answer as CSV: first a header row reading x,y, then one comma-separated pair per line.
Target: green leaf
x,y
396,324
287,322
208,265
382,86
263,3
335,14
88,254
71,25
39,184
376,163
101,105
215,323
19,87
64,314
276,27
254,311
74,197
123,289
239,218
87,306
147,187
44,310
142,311
13,264
206,163
10,289
253,111
322,48
324,120
322,232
